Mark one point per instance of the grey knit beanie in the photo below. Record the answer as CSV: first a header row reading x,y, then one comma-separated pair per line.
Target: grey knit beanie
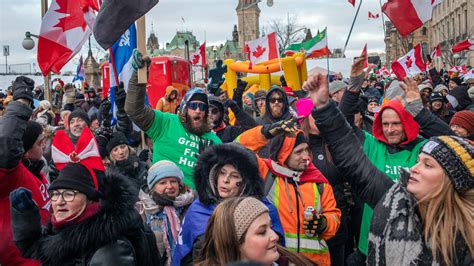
x,y
245,213
163,169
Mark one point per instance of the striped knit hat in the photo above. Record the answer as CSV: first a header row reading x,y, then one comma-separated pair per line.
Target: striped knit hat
x,y
455,155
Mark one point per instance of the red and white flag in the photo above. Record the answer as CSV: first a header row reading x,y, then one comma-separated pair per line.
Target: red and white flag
x,y
364,54
469,75
436,52
383,71
373,16
64,30
199,57
408,15
464,45
410,64
262,49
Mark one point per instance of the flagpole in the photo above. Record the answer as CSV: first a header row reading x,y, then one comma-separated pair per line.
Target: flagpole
x,y
352,26
383,20
327,56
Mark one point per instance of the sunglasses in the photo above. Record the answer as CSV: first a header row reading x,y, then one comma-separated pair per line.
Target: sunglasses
x,y
274,100
195,105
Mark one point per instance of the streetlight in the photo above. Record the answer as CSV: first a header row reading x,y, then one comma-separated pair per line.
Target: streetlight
x,y
29,43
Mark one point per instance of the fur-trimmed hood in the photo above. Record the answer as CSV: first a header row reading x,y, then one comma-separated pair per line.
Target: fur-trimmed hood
x,y
230,153
117,218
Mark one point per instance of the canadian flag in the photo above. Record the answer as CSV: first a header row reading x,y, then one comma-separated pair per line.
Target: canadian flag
x,y
408,15
469,75
262,49
199,57
373,16
436,52
410,64
383,71
464,45
364,54
64,30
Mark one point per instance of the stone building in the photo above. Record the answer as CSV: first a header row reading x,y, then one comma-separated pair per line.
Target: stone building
x,y
396,46
452,22
248,14
92,70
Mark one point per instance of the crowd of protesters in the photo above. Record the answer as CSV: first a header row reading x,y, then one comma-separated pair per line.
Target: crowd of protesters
x,y
351,170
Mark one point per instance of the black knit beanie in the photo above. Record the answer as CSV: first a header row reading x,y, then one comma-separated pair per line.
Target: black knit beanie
x,y
81,114
455,155
76,176
118,138
300,138
32,132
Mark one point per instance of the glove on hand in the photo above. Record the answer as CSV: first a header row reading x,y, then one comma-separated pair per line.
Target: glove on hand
x,y
316,225
138,61
23,88
144,155
21,199
230,104
120,96
239,91
288,127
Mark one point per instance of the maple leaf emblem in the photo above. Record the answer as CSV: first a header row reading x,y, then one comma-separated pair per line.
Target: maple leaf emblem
x,y
73,157
196,59
408,62
74,17
259,51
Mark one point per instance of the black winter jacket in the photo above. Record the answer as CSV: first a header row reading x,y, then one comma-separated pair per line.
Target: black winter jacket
x,y
243,122
135,170
115,235
370,184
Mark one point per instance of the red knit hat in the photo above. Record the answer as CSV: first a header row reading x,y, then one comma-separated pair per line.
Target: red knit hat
x,y
464,119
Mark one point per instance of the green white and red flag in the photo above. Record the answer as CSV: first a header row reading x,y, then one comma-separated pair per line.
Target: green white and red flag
x,y
313,48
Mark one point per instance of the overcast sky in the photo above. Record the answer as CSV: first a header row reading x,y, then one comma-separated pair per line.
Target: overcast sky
x,y
210,19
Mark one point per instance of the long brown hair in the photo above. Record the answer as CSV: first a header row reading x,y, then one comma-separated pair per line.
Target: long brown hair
x,y
221,245
448,215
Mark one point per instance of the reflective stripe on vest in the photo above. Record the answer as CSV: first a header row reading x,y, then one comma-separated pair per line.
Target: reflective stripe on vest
x,y
312,245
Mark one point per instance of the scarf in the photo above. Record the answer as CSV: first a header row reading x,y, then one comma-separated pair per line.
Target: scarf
x,y
90,210
396,233
311,174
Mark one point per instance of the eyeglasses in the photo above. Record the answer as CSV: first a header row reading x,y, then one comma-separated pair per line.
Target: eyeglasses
x,y
274,100
68,195
195,105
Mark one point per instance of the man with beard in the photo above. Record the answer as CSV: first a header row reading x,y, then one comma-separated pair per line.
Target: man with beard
x,y
276,106
177,137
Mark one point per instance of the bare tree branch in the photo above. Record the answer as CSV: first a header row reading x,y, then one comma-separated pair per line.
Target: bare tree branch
x,y
287,31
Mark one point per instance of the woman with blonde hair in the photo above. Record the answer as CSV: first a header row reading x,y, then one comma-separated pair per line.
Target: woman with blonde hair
x,y
426,217
240,230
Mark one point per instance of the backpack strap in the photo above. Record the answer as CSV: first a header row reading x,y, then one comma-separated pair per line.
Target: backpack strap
x,y
269,180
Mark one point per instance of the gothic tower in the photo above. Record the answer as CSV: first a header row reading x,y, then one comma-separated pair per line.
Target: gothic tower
x,y
248,15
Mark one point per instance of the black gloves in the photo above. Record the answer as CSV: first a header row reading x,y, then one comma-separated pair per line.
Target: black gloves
x,y
145,155
120,96
239,91
230,104
21,199
23,88
316,225
288,126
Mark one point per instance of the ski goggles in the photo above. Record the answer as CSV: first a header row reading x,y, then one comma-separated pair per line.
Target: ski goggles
x,y
198,105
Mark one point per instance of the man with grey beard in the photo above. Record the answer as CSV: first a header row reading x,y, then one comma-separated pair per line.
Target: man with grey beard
x,y
176,137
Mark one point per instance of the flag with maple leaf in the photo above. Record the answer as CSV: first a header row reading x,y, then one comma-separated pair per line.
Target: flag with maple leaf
x,y
199,57
383,71
436,52
373,16
364,55
115,16
63,32
410,64
464,45
262,49
313,48
408,15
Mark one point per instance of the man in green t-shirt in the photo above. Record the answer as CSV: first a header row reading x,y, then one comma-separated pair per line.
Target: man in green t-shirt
x,y
395,141
176,137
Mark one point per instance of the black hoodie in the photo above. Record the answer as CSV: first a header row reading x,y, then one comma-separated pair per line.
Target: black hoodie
x,y
267,118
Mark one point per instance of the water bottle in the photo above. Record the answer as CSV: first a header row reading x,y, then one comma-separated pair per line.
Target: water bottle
x,y
308,215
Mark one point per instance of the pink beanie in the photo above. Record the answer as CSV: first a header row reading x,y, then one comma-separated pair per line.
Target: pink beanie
x,y
304,107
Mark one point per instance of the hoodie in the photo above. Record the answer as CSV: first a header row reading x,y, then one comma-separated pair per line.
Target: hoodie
x,y
165,104
267,118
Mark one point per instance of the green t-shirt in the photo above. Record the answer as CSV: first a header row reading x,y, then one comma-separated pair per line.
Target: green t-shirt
x,y
172,142
390,164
